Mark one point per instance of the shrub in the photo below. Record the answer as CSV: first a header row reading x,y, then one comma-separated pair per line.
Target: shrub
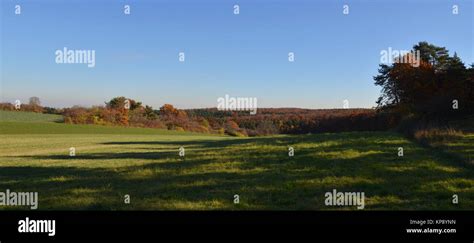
x,y
433,136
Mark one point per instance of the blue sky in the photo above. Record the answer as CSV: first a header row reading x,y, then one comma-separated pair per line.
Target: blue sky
x,y
243,55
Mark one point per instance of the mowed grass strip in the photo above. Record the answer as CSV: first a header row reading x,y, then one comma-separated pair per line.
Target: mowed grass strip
x,y
7,127
144,164
21,116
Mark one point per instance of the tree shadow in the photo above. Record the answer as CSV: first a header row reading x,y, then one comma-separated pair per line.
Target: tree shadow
x,y
263,178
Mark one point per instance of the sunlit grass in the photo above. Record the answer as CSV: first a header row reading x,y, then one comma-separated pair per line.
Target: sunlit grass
x,y
146,166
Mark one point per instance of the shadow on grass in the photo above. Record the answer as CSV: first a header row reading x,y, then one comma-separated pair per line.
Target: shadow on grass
x,y
263,179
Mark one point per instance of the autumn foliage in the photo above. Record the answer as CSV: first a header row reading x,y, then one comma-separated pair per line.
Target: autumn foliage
x,y
121,111
428,91
441,87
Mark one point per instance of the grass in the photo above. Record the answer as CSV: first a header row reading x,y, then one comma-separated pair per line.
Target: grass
x,y
61,128
457,139
144,163
21,116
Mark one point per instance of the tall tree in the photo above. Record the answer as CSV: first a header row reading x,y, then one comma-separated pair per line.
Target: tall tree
x,y
34,101
119,103
429,88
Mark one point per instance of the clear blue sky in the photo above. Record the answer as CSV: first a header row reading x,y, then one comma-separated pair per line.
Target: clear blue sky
x,y
241,55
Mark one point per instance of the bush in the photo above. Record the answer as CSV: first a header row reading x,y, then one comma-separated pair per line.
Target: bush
x,y
221,131
433,136
408,125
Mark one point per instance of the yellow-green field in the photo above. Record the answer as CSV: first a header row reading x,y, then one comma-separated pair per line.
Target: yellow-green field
x,y
111,162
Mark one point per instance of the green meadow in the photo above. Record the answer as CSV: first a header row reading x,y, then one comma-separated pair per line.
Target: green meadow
x,y
28,117
112,162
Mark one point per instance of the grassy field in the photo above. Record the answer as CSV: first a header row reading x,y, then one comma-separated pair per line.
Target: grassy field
x,y
144,163
464,145
28,117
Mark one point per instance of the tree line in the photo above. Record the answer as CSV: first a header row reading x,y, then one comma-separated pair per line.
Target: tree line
x,y
440,88
123,111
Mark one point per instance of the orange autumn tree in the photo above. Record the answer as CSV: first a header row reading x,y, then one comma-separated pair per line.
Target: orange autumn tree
x,y
175,119
122,106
